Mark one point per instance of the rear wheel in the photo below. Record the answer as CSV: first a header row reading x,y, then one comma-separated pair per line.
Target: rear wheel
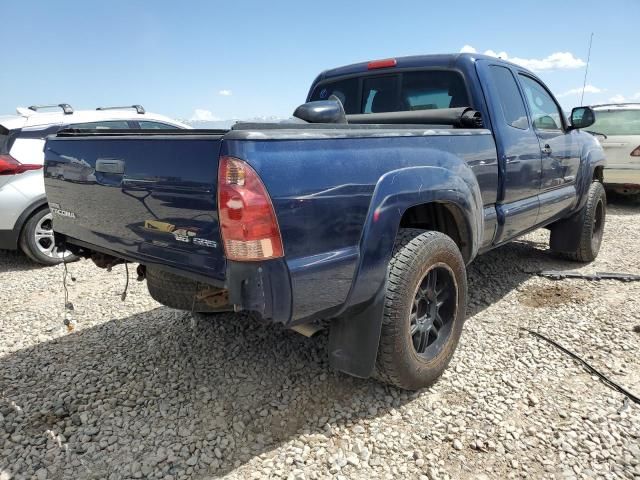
x,y
36,240
182,293
424,309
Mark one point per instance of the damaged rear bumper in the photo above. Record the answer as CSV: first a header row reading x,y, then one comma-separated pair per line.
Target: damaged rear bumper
x,y
260,287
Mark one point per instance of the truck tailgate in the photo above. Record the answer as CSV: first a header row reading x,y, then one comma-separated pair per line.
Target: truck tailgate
x,y
149,197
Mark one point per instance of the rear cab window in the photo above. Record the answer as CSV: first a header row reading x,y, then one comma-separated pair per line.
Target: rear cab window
x,y
397,92
617,122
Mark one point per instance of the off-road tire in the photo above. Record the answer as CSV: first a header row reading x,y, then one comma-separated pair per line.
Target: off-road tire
x,y
176,291
416,252
592,226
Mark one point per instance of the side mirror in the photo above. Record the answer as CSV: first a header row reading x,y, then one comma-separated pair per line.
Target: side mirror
x,y
582,117
323,111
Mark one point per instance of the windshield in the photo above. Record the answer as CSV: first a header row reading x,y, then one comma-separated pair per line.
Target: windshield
x,y
617,122
397,92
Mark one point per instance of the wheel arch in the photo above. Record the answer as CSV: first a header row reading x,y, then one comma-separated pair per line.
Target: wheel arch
x,y
451,191
444,217
36,205
412,197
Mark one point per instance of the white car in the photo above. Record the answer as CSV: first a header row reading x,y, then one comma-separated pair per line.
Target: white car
x,y
25,219
617,126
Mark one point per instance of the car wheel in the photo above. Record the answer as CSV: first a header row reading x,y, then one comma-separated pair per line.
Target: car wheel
x,y
591,228
424,309
36,240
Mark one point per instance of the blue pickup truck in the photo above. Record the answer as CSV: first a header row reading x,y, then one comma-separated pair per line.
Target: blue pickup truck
x,y
359,214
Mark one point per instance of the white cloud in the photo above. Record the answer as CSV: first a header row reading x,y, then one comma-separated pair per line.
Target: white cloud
x,y
555,61
502,55
578,91
202,115
636,96
225,93
618,99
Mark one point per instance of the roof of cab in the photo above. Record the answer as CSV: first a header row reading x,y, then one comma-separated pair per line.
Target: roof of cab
x,y
28,118
415,61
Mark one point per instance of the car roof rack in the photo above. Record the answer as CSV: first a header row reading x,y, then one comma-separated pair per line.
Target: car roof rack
x,y
139,108
66,108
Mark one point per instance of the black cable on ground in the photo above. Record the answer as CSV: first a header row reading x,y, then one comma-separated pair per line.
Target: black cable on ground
x,y
126,285
587,366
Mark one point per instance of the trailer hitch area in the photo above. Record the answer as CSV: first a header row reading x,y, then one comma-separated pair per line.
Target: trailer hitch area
x,y
213,297
102,260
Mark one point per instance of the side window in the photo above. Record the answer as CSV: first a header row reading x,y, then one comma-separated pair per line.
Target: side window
x,y
148,125
510,99
544,111
106,125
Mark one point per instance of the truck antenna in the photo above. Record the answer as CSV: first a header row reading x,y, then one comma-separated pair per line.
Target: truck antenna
x,y
586,70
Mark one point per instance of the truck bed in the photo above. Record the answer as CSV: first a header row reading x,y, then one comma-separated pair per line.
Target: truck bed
x,y
162,207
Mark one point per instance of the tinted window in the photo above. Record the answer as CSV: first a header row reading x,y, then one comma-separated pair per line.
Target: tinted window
x,y
380,94
423,90
345,90
106,125
433,89
544,111
510,99
616,122
156,125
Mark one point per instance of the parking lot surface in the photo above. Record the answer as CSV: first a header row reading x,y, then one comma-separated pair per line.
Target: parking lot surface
x,y
142,391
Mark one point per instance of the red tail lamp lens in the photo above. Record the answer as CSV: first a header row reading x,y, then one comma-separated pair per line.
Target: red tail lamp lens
x,y
248,222
11,166
387,63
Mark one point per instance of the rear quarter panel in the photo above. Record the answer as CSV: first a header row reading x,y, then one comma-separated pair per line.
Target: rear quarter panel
x,y
328,191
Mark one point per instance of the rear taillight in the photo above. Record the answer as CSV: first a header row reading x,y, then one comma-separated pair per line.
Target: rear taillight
x,y
636,152
248,222
11,166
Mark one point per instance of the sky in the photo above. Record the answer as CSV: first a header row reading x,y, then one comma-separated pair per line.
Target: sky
x,y
213,60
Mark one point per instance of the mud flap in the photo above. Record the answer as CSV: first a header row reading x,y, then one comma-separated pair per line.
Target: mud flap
x,y
565,234
354,339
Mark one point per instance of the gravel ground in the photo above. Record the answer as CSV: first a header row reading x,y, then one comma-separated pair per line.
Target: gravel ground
x,y
142,391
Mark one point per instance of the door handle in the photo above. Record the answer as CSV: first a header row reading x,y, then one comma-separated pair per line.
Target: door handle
x,y
109,165
546,149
